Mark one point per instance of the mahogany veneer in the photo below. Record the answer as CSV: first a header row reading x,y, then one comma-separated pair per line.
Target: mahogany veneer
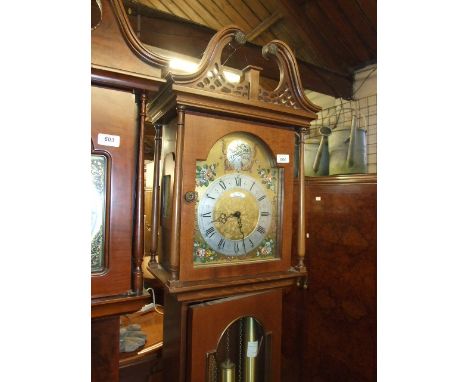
x,y
330,328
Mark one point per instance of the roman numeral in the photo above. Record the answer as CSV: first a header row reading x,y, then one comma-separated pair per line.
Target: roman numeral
x,y
252,186
265,214
238,181
222,184
208,196
261,198
210,232
251,243
261,229
236,247
221,244
206,215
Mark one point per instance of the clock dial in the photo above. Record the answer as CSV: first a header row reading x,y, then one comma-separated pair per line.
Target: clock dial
x,y
234,214
237,215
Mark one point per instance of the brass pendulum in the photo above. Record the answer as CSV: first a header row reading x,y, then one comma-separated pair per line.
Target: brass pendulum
x,y
250,350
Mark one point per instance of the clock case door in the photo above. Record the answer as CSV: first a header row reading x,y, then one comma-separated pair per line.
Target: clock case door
x,y
208,322
201,132
114,112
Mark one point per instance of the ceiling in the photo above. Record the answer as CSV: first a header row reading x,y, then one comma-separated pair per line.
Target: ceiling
x,y
330,38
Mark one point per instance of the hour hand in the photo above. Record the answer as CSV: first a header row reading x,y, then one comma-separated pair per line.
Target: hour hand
x,y
222,218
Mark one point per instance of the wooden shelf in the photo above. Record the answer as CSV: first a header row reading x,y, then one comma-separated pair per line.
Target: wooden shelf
x,y
152,324
117,305
143,364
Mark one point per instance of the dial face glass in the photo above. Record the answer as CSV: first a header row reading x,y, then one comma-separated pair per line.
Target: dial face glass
x,y
98,211
237,209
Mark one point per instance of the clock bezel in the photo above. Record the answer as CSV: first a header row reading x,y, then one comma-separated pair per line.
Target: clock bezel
x,y
264,222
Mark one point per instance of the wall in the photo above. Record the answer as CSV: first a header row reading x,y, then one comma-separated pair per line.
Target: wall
x,y
365,89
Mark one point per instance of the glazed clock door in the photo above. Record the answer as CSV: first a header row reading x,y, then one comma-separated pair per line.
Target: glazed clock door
x,y
240,221
239,198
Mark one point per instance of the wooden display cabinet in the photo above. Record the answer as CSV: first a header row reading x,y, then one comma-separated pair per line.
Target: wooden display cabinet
x,y
118,104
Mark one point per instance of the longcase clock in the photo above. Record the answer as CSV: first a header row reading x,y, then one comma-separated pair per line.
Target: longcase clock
x,y
226,206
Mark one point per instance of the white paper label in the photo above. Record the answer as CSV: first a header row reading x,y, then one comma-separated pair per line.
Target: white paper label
x,y
252,348
282,158
108,140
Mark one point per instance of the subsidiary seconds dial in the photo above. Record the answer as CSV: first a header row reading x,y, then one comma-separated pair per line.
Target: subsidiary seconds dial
x,y
234,214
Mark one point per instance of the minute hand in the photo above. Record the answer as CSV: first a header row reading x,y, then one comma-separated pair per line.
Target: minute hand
x,y
239,224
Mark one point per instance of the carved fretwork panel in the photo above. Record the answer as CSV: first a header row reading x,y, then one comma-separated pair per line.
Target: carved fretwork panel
x,y
282,97
215,80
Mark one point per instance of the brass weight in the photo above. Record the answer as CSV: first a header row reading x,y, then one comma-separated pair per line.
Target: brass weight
x,y
228,371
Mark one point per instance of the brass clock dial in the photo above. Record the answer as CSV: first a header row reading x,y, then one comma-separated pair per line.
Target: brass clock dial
x,y
237,212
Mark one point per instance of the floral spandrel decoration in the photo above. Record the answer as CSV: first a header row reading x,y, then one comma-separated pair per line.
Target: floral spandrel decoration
x,y
202,253
267,178
266,248
205,174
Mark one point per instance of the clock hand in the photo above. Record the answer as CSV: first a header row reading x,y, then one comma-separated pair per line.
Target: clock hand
x,y
223,218
239,224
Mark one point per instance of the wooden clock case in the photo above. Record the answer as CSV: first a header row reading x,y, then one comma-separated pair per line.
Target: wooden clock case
x,y
193,112
128,91
195,147
120,85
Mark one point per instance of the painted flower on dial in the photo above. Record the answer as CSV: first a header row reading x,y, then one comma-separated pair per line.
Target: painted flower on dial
x,y
205,174
265,248
267,178
202,253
